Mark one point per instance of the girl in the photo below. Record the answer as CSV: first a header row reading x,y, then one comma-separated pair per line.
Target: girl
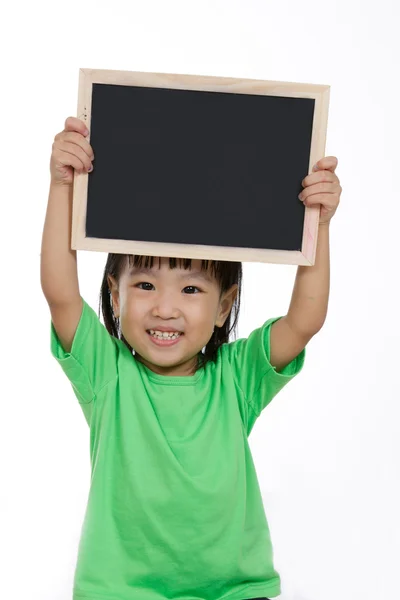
x,y
174,508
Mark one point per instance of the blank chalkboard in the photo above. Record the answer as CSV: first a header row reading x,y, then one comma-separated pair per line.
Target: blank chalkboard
x,y
198,167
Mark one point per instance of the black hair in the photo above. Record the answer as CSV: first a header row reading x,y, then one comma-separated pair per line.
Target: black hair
x,y
226,274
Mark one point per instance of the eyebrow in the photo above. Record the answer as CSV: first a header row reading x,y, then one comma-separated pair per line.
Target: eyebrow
x,y
190,275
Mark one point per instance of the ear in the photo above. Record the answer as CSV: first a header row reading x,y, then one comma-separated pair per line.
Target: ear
x,y
113,287
225,305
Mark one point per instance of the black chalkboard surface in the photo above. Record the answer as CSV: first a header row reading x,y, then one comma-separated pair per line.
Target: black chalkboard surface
x,y
186,167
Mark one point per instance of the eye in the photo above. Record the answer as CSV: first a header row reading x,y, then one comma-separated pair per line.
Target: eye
x,y
190,289
144,283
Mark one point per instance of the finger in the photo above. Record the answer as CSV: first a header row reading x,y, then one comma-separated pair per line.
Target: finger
x,y
74,124
328,162
319,188
320,176
324,199
74,150
76,138
70,160
63,157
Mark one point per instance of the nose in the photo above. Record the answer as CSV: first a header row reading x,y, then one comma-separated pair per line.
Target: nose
x,y
165,306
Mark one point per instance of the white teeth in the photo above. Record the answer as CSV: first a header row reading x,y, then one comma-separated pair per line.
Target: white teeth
x,y
162,335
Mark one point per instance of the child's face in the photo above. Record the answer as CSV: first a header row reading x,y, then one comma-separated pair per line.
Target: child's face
x,y
187,301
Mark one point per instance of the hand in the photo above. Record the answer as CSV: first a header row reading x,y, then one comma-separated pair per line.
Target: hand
x,y
322,188
70,151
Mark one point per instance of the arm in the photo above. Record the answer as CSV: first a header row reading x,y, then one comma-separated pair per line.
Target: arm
x,y
58,269
58,265
308,306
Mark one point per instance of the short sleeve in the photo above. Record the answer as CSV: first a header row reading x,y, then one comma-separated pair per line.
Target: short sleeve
x,y
92,362
257,378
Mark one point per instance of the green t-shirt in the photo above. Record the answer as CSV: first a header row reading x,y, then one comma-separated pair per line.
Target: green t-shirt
x,y
174,508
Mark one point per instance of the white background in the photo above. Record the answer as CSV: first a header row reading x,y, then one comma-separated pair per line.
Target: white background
x,y
327,449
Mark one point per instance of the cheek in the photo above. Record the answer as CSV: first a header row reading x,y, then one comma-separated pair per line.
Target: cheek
x,y
205,313
132,312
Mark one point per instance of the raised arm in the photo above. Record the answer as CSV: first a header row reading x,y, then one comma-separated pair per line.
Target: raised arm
x,y
58,265
309,303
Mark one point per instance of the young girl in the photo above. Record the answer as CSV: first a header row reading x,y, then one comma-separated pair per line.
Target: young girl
x,y
174,508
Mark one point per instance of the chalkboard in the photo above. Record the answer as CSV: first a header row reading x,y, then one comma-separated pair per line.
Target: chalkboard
x,y
198,167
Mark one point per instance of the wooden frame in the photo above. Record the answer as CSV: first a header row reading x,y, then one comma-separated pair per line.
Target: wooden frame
x,y
320,93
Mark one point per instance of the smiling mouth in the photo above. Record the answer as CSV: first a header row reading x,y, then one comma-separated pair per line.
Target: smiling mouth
x,y
164,335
